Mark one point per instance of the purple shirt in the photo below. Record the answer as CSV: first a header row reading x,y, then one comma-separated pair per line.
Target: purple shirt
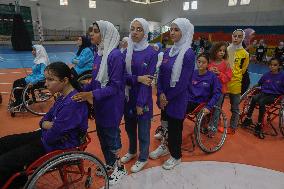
x,y
69,119
272,83
143,63
205,88
177,96
109,101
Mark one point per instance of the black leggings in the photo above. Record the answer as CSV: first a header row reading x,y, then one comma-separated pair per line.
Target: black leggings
x,y
261,99
18,92
17,151
175,127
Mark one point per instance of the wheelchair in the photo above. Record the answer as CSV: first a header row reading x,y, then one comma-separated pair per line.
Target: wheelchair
x,y
205,133
64,169
274,110
36,98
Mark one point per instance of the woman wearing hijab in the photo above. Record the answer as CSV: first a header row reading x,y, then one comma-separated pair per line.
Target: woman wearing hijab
x,y
84,57
238,60
249,35
141,60
40,62
173,88
106,93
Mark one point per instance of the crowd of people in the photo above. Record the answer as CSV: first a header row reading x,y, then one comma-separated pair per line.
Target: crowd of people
x,y
121,86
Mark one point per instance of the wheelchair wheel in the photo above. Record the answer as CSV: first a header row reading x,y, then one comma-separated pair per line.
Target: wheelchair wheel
x,y
281,119
85,79
244,108
208,138
37,100
69,170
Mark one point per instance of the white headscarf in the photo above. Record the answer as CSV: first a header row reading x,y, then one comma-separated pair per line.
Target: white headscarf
x,y
41,55
180,47
110,40
124,40
140,46
232,48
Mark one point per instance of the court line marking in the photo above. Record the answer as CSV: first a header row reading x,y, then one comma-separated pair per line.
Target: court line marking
x,y
5,83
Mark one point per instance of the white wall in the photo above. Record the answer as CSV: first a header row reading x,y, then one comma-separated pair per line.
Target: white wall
x,y
59,17
216,12
210,12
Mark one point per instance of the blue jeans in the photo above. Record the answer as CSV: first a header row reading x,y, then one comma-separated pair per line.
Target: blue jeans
x,y
110,141
234,101
144,126
216,113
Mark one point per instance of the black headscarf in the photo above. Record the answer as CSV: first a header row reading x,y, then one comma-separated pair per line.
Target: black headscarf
x,y
86,42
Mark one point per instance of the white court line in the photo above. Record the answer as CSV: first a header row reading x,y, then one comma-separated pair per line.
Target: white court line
x,y
3,73
5,83
4,92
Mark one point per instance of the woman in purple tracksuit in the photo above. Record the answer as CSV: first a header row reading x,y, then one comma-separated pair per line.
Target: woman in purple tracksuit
x,y
173,82
141,60
106,93
61,127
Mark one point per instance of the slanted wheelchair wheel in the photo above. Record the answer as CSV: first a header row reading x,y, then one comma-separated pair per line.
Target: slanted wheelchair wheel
x,y
281,119
37,100
85,79
208,138
245,107
69,170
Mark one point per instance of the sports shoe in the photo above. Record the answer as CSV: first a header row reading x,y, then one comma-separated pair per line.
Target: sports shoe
x,y
171,163
127,157
247,122
158,135
162,150
138,166
109,169
258,131
117,175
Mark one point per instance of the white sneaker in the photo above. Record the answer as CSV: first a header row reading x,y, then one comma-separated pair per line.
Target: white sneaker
x,y
127,157
162,150
117,175
171,163
138,166
158,136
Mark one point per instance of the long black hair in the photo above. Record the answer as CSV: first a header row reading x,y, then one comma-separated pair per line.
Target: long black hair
x,y
86,42
61,70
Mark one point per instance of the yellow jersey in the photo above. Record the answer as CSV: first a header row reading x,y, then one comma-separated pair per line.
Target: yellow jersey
x,y
239,66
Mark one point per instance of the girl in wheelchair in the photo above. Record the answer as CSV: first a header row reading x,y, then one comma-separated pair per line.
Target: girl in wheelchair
x,y
60,127
272,86
41,61
205,87
84,57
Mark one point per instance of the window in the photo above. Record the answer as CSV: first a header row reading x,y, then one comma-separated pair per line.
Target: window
x,y
92,4
185,6
63,2
244,2
194,5
232,2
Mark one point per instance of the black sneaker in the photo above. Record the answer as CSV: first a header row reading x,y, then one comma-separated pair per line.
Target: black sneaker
x,y
109,169
258,131
247,122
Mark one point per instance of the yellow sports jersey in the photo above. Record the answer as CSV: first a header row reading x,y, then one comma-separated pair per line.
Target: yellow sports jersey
x,y
239,66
